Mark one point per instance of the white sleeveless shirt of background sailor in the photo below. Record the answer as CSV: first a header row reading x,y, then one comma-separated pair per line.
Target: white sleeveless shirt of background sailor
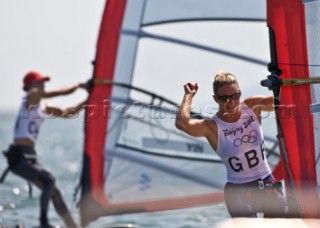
x,y
28,121
241,147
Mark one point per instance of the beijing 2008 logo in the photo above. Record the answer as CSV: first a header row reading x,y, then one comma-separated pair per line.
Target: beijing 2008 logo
x,y
250,138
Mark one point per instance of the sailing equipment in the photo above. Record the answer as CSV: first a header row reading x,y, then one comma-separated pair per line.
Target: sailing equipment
x,y
274,81
261,183
93,82
293,45
15,154
134,158
261,195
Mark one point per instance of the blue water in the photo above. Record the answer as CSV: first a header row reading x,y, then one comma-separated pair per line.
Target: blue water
x,y
59,148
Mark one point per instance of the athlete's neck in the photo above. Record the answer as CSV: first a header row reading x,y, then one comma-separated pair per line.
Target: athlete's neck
x,y
229,117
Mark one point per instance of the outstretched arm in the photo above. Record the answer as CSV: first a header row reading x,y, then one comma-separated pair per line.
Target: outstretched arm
x,y
260,104
64,91
193,127
65,113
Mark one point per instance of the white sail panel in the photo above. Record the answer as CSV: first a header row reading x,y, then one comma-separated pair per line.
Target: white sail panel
x,y
160,11
151,160
144,163
140,177
141,131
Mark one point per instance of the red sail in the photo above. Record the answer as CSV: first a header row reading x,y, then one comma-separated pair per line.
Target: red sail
x,y
286,18
96,120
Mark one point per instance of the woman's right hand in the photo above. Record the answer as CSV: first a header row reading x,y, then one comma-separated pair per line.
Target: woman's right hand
x,y
190,88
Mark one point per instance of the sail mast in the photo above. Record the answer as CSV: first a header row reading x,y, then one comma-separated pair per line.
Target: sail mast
x,y
92,180
289,49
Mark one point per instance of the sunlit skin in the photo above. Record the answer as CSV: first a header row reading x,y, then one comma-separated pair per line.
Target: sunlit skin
x,y
231,109
228,111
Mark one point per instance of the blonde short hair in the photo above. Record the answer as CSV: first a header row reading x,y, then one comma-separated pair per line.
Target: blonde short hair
x,y
223,78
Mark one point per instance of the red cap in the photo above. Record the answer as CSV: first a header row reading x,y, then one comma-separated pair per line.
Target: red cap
x,y
34,76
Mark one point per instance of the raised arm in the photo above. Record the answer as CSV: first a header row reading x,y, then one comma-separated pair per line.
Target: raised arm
x,y
193,127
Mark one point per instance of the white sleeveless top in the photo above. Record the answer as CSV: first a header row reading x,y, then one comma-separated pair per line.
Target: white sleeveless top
x,y
28,121
241,147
